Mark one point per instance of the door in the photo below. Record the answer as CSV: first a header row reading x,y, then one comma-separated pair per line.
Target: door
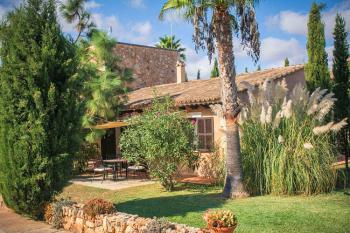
x,y
108,145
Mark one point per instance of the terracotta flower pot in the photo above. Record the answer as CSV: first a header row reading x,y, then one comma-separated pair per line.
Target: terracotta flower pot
x,y
222,229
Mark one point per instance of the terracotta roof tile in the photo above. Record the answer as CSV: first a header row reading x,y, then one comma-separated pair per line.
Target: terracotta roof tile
x,y
203,91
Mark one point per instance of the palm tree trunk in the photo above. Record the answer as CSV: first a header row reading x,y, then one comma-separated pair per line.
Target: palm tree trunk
x,y
234,176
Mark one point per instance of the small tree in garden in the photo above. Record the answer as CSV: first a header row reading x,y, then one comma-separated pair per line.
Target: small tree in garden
x,y
286,141
162,138
40,110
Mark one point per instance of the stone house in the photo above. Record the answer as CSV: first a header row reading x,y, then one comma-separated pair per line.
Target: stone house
x,y
198,98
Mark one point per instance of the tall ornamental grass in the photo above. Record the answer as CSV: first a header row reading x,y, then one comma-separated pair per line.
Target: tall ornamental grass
x,y
286,140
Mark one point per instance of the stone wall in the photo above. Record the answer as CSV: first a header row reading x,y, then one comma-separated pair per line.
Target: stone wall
x,y
151,66
76,221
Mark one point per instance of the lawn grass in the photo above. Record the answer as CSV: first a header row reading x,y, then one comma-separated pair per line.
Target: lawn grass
x,y
321,213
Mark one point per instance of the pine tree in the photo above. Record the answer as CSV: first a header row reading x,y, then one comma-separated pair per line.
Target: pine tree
x,y
341,78
199,74
317,74
74,12
39,107
286,62
215,71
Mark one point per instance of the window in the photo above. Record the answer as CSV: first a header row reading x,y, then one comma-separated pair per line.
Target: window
x,y
205,133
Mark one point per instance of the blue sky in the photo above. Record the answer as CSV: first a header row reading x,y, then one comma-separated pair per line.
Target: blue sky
x,y
282,26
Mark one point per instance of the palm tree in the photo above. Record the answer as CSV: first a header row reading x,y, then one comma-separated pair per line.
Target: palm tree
x,y
215,21
74,11
105,82
169,42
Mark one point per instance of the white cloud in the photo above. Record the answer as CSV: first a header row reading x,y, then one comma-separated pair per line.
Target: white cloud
x,y
132,32
329,17
274,51
143,28
238,49
329,51
137,3
195,61
288,21
92,5
296,22
3,11
7,5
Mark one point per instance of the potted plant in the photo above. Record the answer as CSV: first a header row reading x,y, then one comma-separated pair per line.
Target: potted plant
x,y
220,221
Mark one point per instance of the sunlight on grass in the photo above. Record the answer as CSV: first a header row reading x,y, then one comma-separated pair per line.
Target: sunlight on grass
x,y
321,213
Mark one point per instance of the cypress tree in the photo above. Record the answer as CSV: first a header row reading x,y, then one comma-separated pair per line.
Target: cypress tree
x,y
317,74
39,107
341,79
199,74
246,70
286,62
215,71
259,68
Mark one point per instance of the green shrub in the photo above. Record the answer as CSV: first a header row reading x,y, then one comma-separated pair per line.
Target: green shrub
x,y
286,143
98,206
40,110
162,138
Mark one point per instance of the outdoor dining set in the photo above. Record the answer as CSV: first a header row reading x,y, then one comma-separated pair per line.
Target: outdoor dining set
x,y
118,167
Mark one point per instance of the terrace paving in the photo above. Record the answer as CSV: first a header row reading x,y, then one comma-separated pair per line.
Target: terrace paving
x,y
111,184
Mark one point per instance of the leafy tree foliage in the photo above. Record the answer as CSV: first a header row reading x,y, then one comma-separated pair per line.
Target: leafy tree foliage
x,y
40,110
162,138
215,71
341,79
105,82
317,74
286,62
170,42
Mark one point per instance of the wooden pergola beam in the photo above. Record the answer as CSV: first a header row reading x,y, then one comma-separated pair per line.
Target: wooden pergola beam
x,y
111,125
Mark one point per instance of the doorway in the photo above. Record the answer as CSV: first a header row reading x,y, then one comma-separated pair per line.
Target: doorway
x,y
108,145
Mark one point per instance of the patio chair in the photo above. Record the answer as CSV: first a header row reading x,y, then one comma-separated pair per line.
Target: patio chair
x,y
100,168
137,169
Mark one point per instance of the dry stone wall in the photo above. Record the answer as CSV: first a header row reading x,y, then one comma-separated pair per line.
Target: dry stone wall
x,y
151,66
76,221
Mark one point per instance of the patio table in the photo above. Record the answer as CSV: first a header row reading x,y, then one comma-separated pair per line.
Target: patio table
x,y
115,163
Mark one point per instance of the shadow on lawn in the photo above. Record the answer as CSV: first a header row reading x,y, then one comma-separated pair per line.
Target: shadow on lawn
x,y
178,205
